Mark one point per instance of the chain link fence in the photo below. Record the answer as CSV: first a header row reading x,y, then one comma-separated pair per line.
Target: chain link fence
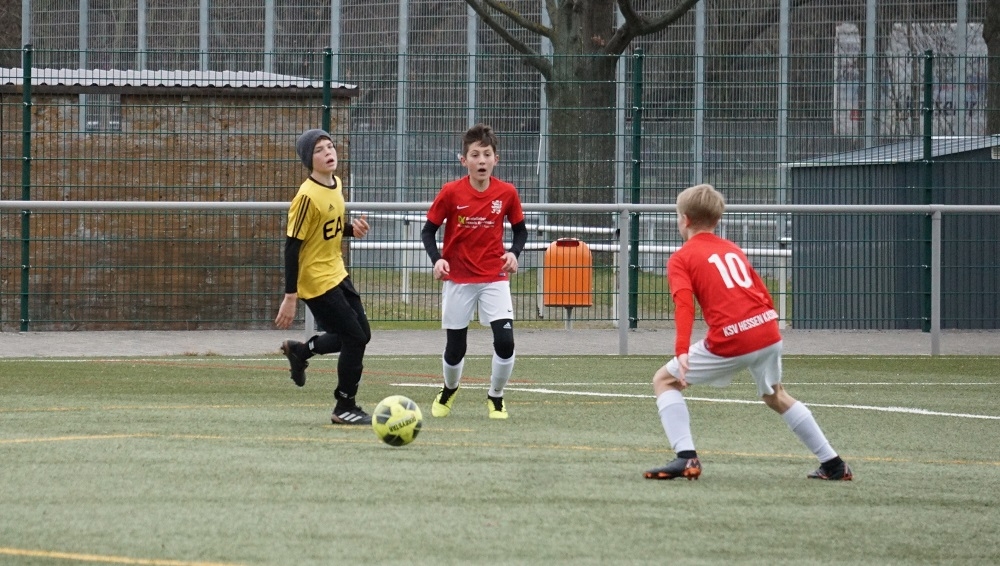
x,y
732,96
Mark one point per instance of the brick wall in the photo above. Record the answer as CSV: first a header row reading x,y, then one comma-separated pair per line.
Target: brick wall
x,y
162,270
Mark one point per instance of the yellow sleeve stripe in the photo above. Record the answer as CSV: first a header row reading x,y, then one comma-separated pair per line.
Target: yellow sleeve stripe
x,y
300,216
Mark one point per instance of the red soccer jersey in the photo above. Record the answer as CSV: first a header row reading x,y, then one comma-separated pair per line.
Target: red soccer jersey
x,y
733,298
473,233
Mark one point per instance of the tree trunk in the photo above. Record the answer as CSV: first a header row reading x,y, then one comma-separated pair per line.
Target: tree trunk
x,y
581,96
10,22
582,135
991,33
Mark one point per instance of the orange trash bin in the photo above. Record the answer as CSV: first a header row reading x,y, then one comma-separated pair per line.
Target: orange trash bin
x,y
567,277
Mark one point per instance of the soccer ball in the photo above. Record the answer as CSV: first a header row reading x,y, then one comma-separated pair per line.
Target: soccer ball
x,y
397,420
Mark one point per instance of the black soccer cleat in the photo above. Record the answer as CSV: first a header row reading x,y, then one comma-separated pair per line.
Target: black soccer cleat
x,y
350,416
689,468
840,473
297,354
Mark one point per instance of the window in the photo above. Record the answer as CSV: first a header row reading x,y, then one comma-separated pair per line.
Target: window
x,y
102,112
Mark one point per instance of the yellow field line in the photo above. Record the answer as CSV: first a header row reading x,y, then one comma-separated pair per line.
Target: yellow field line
x,y
73,438
104,558
158,407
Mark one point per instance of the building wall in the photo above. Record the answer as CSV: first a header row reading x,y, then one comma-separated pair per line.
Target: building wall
x,y
193,269
864,271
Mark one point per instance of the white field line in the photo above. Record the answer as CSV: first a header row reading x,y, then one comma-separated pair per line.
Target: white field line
x,y
546,391
797,384
215,359
906,410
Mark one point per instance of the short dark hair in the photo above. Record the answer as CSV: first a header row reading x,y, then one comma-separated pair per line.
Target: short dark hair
x,y
480,133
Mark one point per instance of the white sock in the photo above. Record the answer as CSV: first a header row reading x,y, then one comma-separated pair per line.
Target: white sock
x,y
501,374
676,419
452,374
800,419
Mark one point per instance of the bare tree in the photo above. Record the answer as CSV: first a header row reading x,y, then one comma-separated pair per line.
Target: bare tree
x,y
580,82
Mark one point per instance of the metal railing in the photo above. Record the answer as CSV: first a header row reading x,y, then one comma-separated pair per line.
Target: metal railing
x,y
623,270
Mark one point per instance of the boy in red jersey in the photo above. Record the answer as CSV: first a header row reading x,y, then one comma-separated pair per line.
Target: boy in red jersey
x,y
475,266
742,333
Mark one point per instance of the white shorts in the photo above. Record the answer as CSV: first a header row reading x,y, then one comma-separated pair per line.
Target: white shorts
x,y
459,300
705,367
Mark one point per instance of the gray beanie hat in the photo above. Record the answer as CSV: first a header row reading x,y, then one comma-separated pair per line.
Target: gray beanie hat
x,y
306,143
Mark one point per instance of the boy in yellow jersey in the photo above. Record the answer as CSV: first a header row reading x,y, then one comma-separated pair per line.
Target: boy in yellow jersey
x,y
315,272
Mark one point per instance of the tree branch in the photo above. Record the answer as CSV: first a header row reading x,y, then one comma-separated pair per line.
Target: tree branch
x,y
518,19
636,24
632,18
533,58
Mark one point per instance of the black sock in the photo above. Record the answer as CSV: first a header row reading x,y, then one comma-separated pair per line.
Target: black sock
x,y
446,393
687,454
832,465
345,401
324,344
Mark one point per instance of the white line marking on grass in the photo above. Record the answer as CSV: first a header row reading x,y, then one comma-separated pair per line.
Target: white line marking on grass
x,y
803,383
840,358
891,383
906,410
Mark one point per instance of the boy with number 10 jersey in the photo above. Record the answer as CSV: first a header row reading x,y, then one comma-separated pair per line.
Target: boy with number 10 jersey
x,y
734,300
742,334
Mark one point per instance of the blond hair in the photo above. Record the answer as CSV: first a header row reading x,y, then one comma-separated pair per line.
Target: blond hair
x,y
702,204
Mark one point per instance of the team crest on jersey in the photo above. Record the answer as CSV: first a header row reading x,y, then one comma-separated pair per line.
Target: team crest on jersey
x,y
496,206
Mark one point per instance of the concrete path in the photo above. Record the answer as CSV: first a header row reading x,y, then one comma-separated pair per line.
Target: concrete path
x,y
530,342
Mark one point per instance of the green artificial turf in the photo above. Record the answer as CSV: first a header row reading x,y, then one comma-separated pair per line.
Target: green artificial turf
x,y
215,460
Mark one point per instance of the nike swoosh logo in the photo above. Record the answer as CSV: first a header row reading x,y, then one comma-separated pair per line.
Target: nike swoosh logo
x,y
461,207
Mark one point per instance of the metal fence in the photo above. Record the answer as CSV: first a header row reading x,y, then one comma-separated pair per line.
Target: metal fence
x,y
730,91
623,293
399,136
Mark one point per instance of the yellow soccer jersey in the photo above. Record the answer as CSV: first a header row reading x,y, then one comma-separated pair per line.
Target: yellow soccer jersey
x,y
317,218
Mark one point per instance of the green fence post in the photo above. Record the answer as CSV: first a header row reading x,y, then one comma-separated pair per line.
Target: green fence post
x,y
327,86
26,62
633,254
928,190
